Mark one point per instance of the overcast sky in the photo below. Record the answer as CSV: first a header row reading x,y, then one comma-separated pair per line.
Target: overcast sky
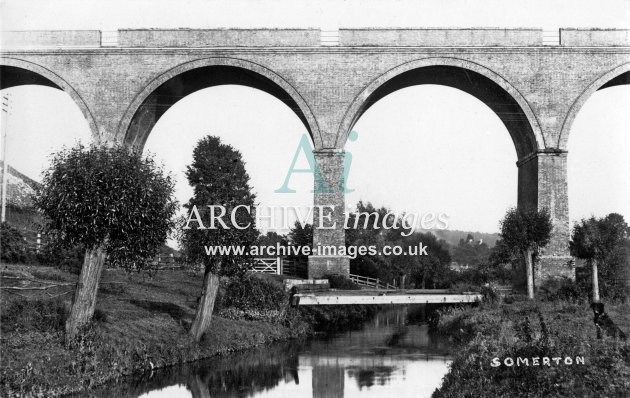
x,y
425,148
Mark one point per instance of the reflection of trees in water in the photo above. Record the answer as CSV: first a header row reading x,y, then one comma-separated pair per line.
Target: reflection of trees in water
x,y
367,377
237,375
245,374
388,338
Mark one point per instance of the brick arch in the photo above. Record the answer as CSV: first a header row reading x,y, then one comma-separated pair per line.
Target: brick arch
x,y
617,76
137,122
29,73
518,116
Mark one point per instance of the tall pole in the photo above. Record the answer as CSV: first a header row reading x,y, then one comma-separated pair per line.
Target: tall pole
x,y
5,167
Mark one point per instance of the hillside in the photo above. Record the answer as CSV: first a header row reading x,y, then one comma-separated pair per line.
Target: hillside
x,y
452,237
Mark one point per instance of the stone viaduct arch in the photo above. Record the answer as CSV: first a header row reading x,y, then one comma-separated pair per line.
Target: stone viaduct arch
x,y
472,78
618,76
16,72
162,92
489,87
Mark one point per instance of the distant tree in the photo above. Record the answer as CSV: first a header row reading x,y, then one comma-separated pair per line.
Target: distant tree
x,y
525,231
115,204
300,236
428,270
218,177
421,270
366,229
471,253
272,239
595,240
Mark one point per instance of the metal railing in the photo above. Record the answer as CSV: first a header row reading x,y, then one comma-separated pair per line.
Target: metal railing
x,y
370,282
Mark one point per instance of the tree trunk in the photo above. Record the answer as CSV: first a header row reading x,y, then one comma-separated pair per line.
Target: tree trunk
x,y
84,299
206,305
595,282
402,281
530,273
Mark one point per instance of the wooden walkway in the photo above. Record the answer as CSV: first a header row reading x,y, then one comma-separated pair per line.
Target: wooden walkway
x,y
410,296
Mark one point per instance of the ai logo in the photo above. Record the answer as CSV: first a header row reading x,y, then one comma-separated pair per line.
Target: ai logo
x,y
305,147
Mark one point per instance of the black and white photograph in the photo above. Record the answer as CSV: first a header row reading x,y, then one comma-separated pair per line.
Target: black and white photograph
x,y
303,198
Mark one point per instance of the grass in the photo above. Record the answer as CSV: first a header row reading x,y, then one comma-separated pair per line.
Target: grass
x,y
140,323
534,329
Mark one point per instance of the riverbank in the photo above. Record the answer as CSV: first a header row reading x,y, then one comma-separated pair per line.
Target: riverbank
x,y
140,323
491,338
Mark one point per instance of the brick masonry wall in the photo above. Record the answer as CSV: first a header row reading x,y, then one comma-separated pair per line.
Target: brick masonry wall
x,y
329,187
440,37
219,37
50,38
595,37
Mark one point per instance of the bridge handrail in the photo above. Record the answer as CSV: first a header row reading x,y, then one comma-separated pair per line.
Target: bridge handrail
x,y
370,282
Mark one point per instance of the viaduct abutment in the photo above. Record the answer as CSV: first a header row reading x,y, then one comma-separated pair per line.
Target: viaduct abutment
x,y
536,83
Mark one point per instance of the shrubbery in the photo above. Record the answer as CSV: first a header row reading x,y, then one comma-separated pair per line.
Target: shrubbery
x,y
528,330
561,289
14,248
251,292
341,282
64,258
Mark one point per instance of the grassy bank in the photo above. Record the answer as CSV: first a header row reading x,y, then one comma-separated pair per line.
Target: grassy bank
x,y
140,323
534,329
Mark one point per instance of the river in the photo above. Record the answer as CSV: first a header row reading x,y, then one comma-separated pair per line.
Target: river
x,y
392,355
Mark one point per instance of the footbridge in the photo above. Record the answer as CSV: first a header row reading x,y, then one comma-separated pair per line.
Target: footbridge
x,y
383,297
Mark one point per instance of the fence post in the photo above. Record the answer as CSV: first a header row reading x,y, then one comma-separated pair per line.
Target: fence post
x,y
278,265
376,283
39,242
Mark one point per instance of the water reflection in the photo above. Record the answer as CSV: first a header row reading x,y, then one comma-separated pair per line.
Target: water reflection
x,y
392,355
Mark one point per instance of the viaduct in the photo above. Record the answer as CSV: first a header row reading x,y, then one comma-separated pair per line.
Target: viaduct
x,y
535,81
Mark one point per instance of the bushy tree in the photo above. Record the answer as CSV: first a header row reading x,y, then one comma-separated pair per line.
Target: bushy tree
x,y
365,231
300,236
218,177
420,270
600,241
115,204
13,247
471,253
525,231
426,271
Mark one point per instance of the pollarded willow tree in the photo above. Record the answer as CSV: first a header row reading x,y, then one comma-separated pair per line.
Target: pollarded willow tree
x,y
111,201
525,231
594,239
218,177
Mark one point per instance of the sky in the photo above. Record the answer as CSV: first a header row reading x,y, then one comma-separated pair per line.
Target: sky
x,y
451,154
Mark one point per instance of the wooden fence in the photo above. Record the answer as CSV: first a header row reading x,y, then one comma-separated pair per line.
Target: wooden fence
x,y
371,282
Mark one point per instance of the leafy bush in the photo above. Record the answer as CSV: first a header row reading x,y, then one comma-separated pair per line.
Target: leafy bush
x,y
14,247
341,282
249,292
489,293
69,259
462,287
40,315
560,289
